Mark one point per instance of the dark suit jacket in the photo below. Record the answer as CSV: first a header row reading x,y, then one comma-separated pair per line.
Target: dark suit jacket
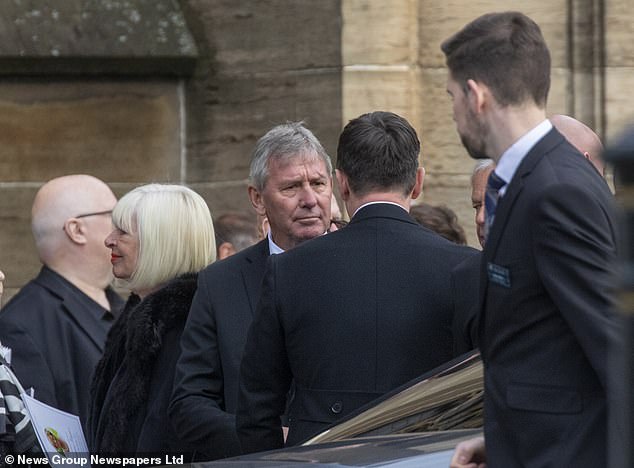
x,y
349,316
206,381
466,289
547,272
57,335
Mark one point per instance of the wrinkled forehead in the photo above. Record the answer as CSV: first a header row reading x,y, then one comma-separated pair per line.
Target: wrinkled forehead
x,y
288,162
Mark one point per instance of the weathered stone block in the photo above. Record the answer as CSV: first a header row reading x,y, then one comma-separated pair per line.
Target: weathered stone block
x,y
619,30
223,197
560,96
242,108
619,109
439,20
94,36
121,131
18,259
267,35
381,33
383,88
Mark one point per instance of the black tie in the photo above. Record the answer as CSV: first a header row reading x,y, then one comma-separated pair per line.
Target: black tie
x,y
491,196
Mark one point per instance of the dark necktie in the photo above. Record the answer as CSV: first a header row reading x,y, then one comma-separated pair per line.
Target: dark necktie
x,y
491,196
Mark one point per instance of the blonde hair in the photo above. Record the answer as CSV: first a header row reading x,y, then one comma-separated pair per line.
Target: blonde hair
x,y
175,231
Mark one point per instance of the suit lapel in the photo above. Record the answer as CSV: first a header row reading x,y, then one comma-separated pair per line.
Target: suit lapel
x,y
504,209
505,205
253,272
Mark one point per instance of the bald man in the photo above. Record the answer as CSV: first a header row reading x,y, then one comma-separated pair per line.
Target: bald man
x,y
56,325
581,137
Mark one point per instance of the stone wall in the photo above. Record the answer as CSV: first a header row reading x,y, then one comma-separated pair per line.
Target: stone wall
x,y
136,91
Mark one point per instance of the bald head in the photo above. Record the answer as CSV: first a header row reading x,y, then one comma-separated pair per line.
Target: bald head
x,y
581,137
66,239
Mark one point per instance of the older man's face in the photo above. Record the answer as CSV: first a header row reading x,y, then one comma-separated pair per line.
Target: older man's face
x,y
295,199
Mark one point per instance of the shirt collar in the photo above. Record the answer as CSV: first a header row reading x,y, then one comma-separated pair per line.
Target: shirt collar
x,y
513,156
376,203
274,249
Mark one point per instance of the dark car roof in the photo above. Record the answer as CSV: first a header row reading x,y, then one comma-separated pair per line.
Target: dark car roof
x,y
421,450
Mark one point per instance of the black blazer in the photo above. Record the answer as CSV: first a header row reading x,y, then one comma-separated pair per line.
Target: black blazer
x,y
206,382
547,317
349,316
466,288
57,335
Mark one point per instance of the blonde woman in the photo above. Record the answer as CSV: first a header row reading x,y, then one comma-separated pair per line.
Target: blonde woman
x,y
163,236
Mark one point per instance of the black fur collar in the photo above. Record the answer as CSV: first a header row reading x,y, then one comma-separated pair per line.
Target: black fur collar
x,y
132,347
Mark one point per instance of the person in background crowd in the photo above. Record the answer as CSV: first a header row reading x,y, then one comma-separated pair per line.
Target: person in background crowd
x,y
291,186
581,137
163,236
546,315
440,219
479,178
234,232
345,346
56,325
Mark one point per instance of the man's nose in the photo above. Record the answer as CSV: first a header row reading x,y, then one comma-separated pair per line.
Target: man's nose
x,y
480,215
109,240
308,198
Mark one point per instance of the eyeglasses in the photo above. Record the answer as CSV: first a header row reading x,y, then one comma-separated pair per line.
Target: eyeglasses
x,y
86,215
96,213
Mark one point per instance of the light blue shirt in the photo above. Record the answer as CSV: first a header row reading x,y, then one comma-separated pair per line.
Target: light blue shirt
x,y
513,157
274,249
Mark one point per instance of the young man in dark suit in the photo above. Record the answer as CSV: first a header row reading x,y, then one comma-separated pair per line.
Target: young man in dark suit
x,y
290,184
546,313
350,316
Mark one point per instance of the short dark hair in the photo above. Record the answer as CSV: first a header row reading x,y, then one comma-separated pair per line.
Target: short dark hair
x,y
379,150
237,228
505,51
440,219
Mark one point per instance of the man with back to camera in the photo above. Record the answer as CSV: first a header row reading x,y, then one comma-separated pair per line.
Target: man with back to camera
x,y
56,325
354,314
546,318
290,185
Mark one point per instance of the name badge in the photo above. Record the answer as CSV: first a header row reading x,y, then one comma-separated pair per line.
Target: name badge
x,y
499,275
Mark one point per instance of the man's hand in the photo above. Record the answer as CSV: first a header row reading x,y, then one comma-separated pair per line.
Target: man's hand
x,y
469,454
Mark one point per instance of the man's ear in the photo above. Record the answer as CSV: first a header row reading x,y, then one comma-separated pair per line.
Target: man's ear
x,y
256,200
226,249
476,95
418,186
75,230
344,187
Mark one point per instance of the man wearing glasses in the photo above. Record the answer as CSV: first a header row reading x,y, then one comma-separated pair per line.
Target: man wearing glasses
x,y
57,324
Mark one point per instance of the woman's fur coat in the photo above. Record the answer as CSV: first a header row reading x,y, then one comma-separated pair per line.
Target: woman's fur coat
x,y
122,418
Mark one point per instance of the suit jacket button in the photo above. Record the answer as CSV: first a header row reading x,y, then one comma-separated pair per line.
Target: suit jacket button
x,y
336,407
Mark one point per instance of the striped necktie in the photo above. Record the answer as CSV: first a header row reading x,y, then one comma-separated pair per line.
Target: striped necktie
x,y
491,195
